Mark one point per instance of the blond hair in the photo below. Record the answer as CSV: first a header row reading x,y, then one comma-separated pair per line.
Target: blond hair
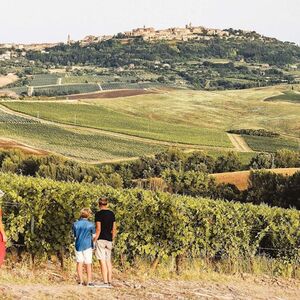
x,y
85,213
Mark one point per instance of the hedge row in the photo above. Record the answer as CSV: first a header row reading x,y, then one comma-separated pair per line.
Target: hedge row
x,y
39,214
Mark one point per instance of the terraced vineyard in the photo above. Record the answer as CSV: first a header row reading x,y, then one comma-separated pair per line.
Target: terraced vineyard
x,y
103,118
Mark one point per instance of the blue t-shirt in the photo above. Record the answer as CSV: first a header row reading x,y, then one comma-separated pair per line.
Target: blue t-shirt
x,y
83,231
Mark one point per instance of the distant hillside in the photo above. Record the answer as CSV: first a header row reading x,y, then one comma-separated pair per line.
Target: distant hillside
x,y
191,57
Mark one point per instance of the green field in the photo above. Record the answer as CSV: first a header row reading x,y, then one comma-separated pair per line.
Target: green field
x,y
67,89
111,120
219,110
78,144
292,97
269,144
179,116
6,118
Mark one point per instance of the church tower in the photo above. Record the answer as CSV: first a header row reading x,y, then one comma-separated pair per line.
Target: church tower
x,y
69,40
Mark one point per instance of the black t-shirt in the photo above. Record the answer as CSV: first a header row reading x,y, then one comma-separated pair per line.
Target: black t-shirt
x,y
106,218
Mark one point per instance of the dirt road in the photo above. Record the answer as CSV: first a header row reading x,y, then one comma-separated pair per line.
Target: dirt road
x,y
239,143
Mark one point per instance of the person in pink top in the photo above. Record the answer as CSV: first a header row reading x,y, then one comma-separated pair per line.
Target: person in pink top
x,y
3,240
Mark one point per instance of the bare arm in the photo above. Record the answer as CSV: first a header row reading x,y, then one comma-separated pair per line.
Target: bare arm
x,y
98,231
114,230
2,231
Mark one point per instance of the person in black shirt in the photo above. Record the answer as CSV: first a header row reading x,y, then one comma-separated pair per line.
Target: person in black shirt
x,y
105,233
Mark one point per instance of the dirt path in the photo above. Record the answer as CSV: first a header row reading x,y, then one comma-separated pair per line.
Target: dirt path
x,y
159,289
239,143
114,134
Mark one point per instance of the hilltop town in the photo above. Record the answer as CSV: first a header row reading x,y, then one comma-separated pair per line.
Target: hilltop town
x,y
188,33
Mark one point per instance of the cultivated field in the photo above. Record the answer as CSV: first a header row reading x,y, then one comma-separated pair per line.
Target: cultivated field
x,y
258,143
66,89
218,110
78,144
43,79
97,116
168,116
240,179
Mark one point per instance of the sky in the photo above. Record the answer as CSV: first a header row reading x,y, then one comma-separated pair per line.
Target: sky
x,y
29,21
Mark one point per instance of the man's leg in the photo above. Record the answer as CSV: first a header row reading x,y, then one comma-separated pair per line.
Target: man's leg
x,y
109,270
89,273
79,272
104,270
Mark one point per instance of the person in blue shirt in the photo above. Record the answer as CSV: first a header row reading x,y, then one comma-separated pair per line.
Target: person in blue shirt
x,y
84,231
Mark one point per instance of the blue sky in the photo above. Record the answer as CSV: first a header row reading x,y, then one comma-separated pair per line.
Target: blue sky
x,y
26,21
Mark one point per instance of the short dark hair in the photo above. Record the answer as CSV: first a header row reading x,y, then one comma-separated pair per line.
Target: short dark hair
x,y
103,201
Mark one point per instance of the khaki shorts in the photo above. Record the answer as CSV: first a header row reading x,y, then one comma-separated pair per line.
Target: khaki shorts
x,y
85,257
103,249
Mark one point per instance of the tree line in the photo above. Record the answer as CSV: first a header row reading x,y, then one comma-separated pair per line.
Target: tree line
x,y
173,171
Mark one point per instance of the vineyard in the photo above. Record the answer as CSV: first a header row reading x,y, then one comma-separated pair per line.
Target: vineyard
x,y
58,85
151,225
79,144
103,118
6,118
58,90
43,79
270,144
124,85
95,79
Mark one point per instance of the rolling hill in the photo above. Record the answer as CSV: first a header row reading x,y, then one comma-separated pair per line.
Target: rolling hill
x,y
188,119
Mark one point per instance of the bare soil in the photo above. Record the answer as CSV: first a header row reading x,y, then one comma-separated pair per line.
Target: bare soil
x,y
5,80
10,144
241,179
110,94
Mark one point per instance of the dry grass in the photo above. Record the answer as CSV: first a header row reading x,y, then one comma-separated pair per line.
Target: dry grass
x,y
5,80
199,279
222,110
241,179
